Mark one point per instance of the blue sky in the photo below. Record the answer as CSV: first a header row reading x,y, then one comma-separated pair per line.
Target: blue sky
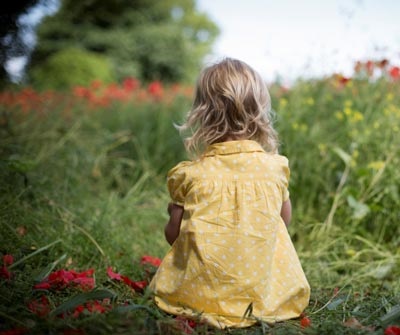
x,y
292,38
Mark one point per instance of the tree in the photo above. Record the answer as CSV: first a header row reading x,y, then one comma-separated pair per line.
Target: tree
x,y
11,41
147,39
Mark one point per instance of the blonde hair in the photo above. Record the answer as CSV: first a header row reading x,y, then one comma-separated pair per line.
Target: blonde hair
x,y
231,102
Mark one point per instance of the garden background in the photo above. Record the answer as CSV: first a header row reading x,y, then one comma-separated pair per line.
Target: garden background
x,y
87,138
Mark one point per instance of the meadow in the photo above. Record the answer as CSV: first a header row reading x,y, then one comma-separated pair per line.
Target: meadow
x,y
83,204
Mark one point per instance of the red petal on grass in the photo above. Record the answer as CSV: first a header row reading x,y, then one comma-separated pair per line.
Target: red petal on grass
x,y
112,274
4,273
84,283
8,259
138,286
186,325
42,286
150,260
15,331
354,323
78,311
62,278
392,330
305,322
40,307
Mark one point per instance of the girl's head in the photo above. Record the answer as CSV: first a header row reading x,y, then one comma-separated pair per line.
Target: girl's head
x,y
231,103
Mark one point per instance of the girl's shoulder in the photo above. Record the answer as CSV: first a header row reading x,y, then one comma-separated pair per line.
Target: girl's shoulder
x,y
278,158
180,168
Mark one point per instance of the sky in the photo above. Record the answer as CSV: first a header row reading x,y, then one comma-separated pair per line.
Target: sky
x,y
288,39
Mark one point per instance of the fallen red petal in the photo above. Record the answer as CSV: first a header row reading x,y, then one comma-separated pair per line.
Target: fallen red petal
x,y
392,330
40,307
8,259
305,322
4,273
146,259
42,286
15,331
112,274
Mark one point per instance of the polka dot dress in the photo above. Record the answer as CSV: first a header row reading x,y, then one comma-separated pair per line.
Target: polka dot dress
x,y
233,253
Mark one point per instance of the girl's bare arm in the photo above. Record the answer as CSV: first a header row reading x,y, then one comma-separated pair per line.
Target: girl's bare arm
x,y
174,224
286,212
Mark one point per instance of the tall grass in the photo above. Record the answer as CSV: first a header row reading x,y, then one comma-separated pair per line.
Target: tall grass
x,y
84,187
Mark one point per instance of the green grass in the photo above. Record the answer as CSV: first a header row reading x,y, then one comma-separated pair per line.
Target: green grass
x,y
86,189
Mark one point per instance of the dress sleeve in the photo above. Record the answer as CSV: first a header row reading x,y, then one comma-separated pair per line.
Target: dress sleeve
x,y
284,177
177,183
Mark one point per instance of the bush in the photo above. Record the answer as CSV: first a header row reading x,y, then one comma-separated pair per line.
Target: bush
x,y
70,67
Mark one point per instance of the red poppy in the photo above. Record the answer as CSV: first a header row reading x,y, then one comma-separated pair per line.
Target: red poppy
x,y
392,330
394,72
130,84
150,260
155,89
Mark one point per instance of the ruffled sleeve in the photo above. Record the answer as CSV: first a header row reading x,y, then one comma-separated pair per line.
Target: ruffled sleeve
x,y
284,177
177,183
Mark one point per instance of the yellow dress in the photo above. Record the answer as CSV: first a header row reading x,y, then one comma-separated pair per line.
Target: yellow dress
x,y
233,254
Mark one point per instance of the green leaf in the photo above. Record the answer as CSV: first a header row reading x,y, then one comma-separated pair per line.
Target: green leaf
x,y
392,316
47,270
346,158
334,304
81,299
134,307
383,271
360,209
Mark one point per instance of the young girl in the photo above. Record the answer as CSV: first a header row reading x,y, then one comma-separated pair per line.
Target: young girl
x,y
232,260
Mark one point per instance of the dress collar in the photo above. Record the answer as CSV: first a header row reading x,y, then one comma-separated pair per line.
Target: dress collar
x,y
233,147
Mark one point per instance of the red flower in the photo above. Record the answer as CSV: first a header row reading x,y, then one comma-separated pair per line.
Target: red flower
x,y
150,260
394,72
305,322
392,330
155,89
130,84
41,307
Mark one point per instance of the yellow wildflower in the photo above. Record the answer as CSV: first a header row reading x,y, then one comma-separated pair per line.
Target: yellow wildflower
x,y
376,165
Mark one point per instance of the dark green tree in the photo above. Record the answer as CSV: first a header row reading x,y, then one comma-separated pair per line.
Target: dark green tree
x,y
147,39
11,33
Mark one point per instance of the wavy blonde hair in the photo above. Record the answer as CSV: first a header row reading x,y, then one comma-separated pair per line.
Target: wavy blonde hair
x,y
231,102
